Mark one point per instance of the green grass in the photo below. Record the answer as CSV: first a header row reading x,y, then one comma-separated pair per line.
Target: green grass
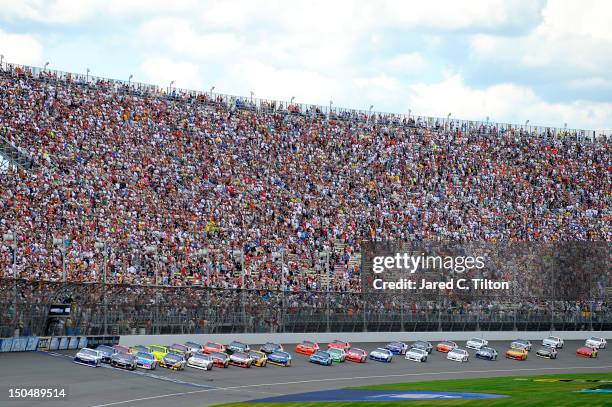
x,y
521,393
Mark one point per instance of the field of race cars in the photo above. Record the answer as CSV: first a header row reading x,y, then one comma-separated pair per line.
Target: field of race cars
x,y
194,374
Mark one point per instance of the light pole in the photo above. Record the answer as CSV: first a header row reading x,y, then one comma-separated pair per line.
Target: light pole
x,y
61,243
331,103
409,112
105,249
292,99
239,255
152,249
324,257
12,237
211,92
1,59
252,93
87,75
170,87
276,256
130,79
448,120
46,65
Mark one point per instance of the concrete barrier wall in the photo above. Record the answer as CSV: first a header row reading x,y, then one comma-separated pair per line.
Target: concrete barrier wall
x,y
289,338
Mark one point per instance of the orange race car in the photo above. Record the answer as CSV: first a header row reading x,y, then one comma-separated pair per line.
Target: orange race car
x,y
211,347
338,344
357,355
446,346
517,353
307,348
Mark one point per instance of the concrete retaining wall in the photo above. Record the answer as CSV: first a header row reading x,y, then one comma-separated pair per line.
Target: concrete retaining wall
x,y
289,338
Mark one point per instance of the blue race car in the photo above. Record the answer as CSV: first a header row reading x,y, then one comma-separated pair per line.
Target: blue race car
x,y
397,348
106,352
321,357
487,353
146,360
381,355
279,358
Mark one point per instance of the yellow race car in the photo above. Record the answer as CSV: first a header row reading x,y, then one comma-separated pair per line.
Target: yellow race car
x,y
260,359
517,354
158,351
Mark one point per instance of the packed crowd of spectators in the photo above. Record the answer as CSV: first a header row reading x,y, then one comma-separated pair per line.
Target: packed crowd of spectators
x,y
176,185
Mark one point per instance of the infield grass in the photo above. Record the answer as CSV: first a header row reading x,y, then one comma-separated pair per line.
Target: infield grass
x,y
522,391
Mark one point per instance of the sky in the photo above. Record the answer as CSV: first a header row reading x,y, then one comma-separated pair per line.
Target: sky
x,y
549,62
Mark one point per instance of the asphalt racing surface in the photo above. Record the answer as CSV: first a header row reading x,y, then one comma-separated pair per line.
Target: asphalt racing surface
x,y
106,386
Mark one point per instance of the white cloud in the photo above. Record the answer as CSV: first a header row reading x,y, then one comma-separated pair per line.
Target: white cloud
x,y
162,70
404,64
20,48
507,103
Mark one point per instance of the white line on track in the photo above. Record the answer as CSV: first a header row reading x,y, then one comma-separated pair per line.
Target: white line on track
x,y
116,403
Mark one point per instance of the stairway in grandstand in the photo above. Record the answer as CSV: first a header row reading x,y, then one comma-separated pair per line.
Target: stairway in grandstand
x,y
14,156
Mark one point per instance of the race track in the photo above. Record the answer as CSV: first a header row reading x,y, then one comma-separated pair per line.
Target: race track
x,y
106,386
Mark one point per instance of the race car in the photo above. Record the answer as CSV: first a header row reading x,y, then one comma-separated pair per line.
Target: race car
x,y
280,358
200,361
158,351
521,344
423,345
381,355
146,360
416,354
553,342
270,347
180,349
307,348
586,352
121,349
596,342
321,357
458,355
338,355
220,359
105,352
138,348
486,352
476,343
260,359
446,346
211,347
123,360
357,355
338,344
241,359
517,353
236,346
173,361
547,352
89,357
397,348
194,347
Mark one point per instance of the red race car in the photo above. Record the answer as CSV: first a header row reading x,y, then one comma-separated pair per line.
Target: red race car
x,y
307,348
586,352
338,344
211,347
356,355
446,346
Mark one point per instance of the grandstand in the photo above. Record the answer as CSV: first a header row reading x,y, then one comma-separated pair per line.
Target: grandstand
x,y
214,207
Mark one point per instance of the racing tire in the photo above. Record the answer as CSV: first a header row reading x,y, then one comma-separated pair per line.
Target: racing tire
x,y
226,365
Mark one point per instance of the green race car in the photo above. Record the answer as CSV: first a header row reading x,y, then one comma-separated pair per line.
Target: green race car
x,y
338,355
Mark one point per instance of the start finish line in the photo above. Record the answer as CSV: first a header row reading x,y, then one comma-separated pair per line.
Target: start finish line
x,y
376,395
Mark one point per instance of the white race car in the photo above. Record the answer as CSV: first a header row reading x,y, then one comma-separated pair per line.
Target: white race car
x,y
458,355
381,355
416,354
553,342
476,343
595,342
89,357
200,361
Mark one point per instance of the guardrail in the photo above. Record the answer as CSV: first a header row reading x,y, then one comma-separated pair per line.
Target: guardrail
x,y
53,343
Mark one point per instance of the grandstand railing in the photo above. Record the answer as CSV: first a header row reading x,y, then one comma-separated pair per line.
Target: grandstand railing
x,y
184,310
291,107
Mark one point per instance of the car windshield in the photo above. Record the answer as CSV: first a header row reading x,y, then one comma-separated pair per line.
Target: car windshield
x,y
173,357
355,350
281,354
381,350
179,347
219,355
213,345
461,352
201,356
308,343
145,355
104,348
89,352
335,351
487,349
477,340
193,345
322,354
395,344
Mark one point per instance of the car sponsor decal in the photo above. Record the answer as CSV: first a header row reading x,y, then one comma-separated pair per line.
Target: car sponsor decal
x,y
376,395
